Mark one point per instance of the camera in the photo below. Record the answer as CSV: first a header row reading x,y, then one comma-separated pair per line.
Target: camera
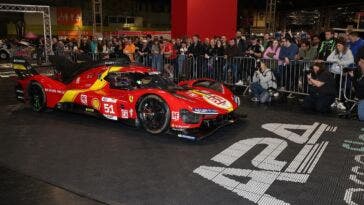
x,y
310,71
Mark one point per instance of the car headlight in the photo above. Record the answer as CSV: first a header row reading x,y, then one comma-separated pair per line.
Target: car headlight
x,y
237,100
189,117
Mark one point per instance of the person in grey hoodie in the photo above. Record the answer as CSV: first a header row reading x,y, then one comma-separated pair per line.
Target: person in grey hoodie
x,y
263,81
340,58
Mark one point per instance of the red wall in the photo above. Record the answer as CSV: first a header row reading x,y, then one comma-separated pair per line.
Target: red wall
x,y
204,17
179,18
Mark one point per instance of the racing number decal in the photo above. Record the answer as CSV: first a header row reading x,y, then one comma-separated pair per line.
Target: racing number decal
x,y
216,100
109,108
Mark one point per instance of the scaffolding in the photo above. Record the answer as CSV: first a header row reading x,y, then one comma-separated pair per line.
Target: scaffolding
x,y
97,26
270,15
47,27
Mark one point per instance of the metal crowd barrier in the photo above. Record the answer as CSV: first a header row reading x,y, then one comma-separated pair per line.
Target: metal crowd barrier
x,y
220,68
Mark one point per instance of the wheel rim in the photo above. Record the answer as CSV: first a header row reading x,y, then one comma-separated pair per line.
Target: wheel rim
x,y
3,56
36,98
153,114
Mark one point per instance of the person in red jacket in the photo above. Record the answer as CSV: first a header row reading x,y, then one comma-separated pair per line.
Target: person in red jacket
x,y
170,55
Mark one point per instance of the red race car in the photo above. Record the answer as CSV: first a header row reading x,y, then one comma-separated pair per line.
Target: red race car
x,y
139,95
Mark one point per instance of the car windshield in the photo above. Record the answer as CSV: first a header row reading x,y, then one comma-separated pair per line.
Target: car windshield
x,y
141,80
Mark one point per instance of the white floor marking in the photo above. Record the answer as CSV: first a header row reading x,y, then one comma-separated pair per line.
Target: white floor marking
x,y
281,130
308,157
299,158
318,157
349,195
269,168
317,134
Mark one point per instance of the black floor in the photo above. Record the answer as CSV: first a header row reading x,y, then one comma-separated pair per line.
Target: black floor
x,y
64,158
16,188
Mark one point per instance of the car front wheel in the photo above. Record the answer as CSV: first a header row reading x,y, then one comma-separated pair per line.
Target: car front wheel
x,y
154,114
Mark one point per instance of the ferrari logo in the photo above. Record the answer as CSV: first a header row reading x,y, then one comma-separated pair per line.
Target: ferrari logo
x,y
95,103
131,98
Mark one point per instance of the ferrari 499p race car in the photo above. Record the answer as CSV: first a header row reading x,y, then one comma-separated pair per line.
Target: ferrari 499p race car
x,y
118,90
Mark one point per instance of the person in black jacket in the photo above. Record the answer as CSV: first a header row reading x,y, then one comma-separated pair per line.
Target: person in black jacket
x,y
196,50
358,81
232,64
321,89
240,42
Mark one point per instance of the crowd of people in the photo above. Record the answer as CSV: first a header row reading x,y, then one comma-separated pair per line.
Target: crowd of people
x,y
343,51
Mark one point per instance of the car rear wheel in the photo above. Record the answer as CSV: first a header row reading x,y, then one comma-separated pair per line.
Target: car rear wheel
x,y
154,114
37,97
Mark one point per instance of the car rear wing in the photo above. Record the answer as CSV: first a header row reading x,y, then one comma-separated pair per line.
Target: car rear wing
x,y
22,67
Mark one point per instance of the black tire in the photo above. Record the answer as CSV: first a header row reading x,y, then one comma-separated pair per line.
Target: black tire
x,y
154,114
37,97
4,55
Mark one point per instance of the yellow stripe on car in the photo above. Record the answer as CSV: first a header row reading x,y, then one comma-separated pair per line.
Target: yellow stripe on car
x,y
70,95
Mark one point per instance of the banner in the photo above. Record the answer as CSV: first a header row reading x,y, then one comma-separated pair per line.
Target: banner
x,y
69,16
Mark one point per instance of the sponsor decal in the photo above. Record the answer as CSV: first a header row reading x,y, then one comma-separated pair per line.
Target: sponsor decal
x,y
204,111
89,110
48,90
83,99
268,169
78,80
108,100
111,117
186,137
177,127
175,115
124,114
109,109
131,111
357,171
95,103
131,98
